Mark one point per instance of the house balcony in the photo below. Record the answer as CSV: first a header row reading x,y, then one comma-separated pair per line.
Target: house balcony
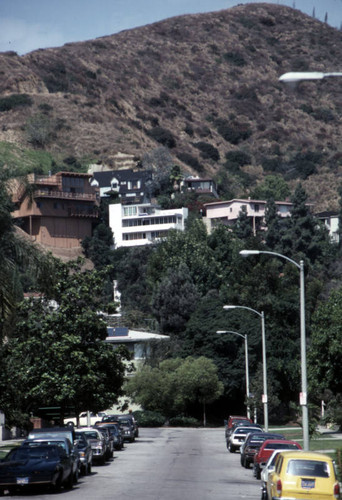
x,y
64,195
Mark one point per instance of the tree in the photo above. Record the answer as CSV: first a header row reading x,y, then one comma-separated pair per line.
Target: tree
x,y
243,227
274,186
57,356
325,355
175,299
175,385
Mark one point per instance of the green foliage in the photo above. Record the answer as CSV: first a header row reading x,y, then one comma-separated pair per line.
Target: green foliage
x,y
325,356
147,418
273,186
236,159
175,299
234,58
15,101
175,385
181,421
57,356
39,129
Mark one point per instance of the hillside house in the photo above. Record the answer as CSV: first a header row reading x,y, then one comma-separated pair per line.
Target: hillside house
x,y
128,185
199,186
227,212
143,224
139,343
56,210
331,222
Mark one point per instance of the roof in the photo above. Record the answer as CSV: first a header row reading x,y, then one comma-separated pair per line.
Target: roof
x,y
305,455
136,336
328,213
238,200
104,178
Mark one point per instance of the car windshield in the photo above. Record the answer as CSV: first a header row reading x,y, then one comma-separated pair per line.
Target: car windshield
x,y
36,452
281,446
91,435
308,468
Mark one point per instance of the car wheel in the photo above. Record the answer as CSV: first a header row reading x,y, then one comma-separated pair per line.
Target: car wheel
x,y
258,473
241,460
58,484
89,468
75,478
231,448
69,482
246,464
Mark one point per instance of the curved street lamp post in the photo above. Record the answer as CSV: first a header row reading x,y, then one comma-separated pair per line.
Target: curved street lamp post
x,y
245,337
264,368
303,394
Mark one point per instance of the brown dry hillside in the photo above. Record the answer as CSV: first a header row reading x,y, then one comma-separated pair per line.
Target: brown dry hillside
x,y
205,86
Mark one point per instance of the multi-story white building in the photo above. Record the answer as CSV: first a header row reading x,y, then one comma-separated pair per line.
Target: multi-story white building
x,y
143,224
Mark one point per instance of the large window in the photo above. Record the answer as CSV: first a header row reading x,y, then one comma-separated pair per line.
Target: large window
x,y
129,211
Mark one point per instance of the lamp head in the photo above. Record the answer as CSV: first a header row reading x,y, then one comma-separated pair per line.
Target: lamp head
x,y
220,332
229,307
246,253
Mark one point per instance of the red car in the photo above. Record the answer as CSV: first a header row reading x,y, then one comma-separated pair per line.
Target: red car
x,y
233,419
266,450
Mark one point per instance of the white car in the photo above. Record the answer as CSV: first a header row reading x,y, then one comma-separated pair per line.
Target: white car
x,y
237,437
269,467
83,419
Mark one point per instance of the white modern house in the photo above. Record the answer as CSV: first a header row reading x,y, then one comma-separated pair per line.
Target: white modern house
x,y
137,342
143,224
227,212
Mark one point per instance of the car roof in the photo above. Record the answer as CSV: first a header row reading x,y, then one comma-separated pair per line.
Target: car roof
x,y
248,428
279,441
305,455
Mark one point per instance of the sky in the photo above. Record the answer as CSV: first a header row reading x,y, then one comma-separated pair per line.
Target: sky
x,y
27,25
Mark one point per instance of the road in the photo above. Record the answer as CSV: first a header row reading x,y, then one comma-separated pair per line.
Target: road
x,y
167,464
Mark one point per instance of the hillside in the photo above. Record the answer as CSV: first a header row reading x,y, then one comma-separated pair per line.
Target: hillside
x,y
205,85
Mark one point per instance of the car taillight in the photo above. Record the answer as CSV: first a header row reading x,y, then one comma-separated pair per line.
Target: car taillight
x,y
337,490
279,487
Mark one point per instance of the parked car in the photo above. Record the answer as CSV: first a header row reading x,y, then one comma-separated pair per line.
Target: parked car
x,y
116,432
252,444
244,423
108,440
27,466
266,450
59,439
301,474
122,418
126,423
238,436
97,443
266,471
85,452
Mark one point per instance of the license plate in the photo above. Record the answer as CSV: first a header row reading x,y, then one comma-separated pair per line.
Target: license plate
x,y
308,484
22,480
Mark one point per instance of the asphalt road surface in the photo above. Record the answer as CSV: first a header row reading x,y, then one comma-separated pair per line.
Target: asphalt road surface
x,y
166,464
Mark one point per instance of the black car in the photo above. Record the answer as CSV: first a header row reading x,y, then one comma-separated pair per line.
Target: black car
x,y
27,466
108,440
116,432
252,444
85,452
124,419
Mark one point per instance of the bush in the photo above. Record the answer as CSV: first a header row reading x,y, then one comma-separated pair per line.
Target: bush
x,y
208,151
234,58
191,161
233,132
163,136
149,418
184,422
15,101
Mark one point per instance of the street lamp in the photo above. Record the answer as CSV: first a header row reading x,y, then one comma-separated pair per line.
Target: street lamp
x,y
264,396
303,395
295,77
245,337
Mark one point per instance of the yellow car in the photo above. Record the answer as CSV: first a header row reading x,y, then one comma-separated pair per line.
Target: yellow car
x,y
303,475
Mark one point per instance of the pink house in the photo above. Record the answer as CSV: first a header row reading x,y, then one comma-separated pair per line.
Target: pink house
x,y
226,212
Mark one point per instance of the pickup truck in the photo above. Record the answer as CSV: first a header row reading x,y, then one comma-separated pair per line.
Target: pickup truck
x,y
83,419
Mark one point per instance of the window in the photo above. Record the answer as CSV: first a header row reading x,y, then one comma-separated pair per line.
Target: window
x,y
129,211
256,207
